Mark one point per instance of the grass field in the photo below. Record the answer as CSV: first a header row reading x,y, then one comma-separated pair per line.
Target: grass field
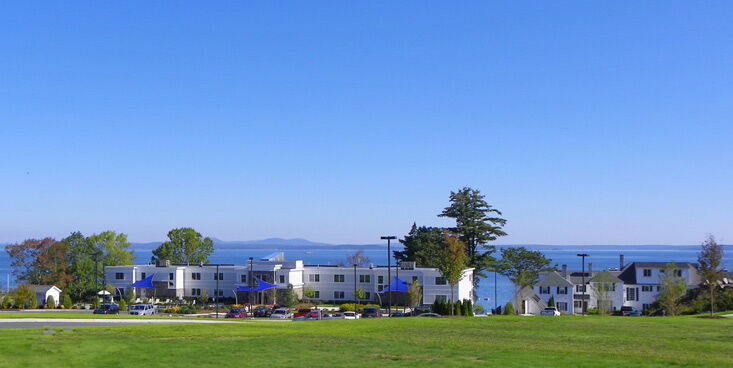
x,y
494,341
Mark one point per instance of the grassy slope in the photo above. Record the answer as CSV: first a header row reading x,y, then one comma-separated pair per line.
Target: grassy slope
x,y
496,341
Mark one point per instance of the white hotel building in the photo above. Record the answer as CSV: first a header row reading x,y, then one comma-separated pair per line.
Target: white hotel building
x,y
333,284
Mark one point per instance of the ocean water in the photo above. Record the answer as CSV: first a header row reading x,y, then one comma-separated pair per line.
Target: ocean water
x,y
601,257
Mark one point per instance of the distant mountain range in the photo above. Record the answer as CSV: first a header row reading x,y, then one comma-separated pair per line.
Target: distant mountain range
x,y
269,242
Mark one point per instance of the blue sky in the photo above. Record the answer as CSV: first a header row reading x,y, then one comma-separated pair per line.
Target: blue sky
x,y
585,123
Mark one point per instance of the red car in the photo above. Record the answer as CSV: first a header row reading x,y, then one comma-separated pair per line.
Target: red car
x,y
236,313
302,312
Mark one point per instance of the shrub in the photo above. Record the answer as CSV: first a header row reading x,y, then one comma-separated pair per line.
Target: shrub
x,y
6,303
22,296
457,308
175,310
32,302
123,305
50,302
67,301
509,309
551,302
468,308
95,303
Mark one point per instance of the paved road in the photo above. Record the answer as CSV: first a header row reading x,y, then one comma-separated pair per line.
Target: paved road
x,y
71,322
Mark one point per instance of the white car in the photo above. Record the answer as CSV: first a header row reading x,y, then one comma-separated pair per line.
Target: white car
x,y
281,313
142,310
351,315
550,311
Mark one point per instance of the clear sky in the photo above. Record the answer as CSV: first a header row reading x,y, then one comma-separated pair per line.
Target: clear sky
x,y
584,122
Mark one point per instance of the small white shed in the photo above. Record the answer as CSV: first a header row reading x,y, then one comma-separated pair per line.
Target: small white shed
x,y
44,291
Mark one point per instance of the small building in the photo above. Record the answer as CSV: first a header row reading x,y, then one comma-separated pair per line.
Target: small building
x,y
44,291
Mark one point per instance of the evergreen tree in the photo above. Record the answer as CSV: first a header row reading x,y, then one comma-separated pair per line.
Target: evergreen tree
x,y
709,260
185,246
422,245
452,262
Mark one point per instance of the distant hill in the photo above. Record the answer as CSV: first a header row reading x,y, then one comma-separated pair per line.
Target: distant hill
x,y
269,242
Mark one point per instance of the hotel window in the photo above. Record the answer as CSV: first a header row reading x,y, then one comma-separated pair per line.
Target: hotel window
x,y
142,275
414,278
441,298
119,276
316,294
631,294
196,292
645,307
220,276
170,276
580,288
338,294
195,275
365,279
243,278
367,296
678,273
544,289
380,279
659,288
647,288
440,280
314,278
338,278
562,290
282,279
218,292
563,306
647,272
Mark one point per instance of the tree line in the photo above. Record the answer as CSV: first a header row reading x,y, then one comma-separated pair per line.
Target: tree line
x,y
75,264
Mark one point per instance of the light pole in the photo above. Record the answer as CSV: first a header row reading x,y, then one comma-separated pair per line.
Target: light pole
x,y
249,282
389,272
356,299
582,275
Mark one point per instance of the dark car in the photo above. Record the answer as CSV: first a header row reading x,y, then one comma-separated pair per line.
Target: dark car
x,y
236,313
630,312
107,309
429,315
371,313
261,311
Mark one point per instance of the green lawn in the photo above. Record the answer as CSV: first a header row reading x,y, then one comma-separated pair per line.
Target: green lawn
x,y
481,342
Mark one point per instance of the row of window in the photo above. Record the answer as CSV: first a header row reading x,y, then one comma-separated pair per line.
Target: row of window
x,y
648,272
217,292
559,290
365,279
338,295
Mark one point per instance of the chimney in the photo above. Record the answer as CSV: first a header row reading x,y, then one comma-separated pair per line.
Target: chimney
x,y
620,262
565,271
590,269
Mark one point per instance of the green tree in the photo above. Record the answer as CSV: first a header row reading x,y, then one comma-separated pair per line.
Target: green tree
x,y
185,246
107,248
290,299
6,303
422,245
414,291
522,266
673,288
309,293
203,298
67,301
96,302
129,295
50,303
453,261
122,305
32,302
22,296
477,223
551,302
81,260
358,258
509,309
603,288
709,260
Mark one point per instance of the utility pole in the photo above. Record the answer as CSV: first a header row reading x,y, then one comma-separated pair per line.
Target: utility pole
x,y
389,272
355,297
216,292
582,275
249,282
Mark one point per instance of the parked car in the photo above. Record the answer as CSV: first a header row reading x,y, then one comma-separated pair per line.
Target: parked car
x,y
315,315
236,313
399,314
550,311
302,312
107,309
430,315
281,313
371,312
261,311
142,310
351,315
630,312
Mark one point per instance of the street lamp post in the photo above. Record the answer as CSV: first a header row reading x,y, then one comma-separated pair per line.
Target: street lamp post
x,y
389,272
582,275
249,281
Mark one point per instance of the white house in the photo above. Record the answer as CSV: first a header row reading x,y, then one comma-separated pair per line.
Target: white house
x,y
635,284
334,284
44,291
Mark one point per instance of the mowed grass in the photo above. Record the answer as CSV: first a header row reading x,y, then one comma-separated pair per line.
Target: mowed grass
x,y
400,342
